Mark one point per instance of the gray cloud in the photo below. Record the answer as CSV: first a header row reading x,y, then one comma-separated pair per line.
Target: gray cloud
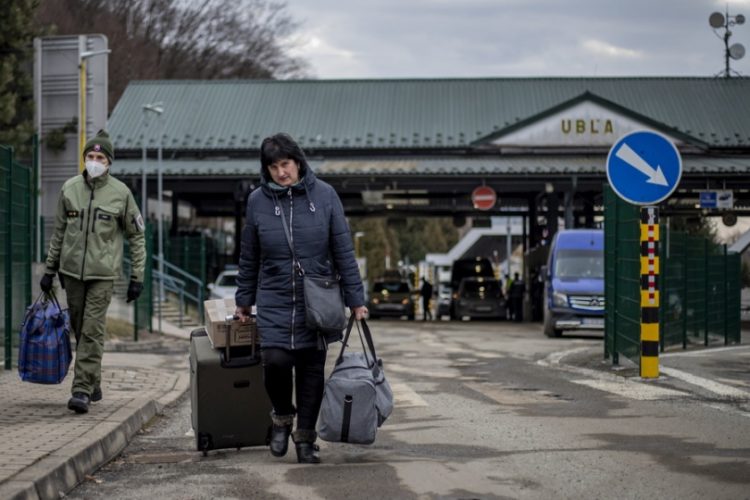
x,y
470,38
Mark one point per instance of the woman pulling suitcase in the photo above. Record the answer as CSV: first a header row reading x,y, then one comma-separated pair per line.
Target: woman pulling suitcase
x,y
292,354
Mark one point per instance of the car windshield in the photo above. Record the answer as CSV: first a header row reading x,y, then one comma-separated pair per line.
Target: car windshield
x,y
579,264
227,280
480,289
391,287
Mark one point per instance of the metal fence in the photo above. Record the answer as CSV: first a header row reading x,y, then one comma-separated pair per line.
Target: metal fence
x,y
18,236
622,277
189,253
700,292
699,286
144,306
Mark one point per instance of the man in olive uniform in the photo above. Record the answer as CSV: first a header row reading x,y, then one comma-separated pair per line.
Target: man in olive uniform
x,y
94,212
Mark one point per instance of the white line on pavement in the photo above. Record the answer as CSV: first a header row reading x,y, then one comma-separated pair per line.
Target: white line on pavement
x,y
709,385
703,352
632,390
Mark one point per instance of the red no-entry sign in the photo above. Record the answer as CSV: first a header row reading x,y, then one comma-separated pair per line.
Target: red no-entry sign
x,y
483,198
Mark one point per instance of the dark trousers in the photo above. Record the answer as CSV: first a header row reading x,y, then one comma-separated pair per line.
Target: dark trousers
x,y
426,309
308,379
517,306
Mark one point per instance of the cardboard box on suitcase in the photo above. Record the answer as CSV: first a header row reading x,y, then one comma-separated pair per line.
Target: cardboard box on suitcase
x,y
218,324
230,407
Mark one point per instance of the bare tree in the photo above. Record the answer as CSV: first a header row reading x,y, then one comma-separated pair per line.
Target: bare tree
x,y
182,39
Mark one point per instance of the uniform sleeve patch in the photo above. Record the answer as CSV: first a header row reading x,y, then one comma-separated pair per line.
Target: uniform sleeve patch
x,y
138,221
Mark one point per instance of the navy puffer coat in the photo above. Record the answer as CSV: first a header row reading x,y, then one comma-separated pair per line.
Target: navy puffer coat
x,y
322,241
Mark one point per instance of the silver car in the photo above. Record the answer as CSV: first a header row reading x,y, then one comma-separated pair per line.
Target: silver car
x,y
225,285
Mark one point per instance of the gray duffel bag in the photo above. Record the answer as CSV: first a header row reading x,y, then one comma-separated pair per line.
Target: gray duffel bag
x,y
357,397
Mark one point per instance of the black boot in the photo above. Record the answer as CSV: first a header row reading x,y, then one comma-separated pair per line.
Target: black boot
x,y
79,403
280,431
307,450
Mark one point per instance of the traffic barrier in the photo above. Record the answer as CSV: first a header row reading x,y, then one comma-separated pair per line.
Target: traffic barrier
x,y
649,292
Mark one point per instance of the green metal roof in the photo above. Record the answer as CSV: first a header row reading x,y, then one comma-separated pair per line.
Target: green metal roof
x,y
416,113
517,165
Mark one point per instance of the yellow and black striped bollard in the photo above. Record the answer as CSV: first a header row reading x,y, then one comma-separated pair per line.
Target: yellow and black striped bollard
x,y
649,292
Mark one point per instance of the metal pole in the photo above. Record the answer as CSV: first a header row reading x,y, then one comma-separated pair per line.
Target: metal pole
x,y
8,262
161,223
144,192
508,244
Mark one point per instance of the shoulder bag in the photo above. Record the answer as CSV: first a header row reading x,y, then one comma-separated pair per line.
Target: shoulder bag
x,y
324,305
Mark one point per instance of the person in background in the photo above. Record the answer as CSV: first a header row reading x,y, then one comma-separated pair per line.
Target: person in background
x,y
426,292
508,303
517,289
293,355
94,212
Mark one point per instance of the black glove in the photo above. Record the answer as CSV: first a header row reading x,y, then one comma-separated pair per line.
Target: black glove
x,y
134,290
46,283
61,277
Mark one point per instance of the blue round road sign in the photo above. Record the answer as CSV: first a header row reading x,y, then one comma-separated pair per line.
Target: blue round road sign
x,y
644,167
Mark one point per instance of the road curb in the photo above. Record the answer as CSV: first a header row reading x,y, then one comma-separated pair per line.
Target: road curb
x,y
61,471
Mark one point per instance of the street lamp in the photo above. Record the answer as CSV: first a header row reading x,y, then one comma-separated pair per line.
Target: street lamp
x,y
82,56
158,109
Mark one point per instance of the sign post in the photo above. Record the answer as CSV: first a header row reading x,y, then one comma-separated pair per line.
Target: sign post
x,y
483,198
644,168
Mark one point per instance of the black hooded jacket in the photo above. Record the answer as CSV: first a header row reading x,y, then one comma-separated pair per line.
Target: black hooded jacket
x,y
322,241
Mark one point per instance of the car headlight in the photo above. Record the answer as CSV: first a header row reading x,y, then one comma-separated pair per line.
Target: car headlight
x,y
405,302
375,300
559,299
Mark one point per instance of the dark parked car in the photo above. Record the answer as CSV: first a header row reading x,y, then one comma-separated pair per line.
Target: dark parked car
x,y
472,267
391,298
479,298
444,299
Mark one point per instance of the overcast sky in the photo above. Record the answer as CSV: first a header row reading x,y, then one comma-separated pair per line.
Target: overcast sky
x,y
497,38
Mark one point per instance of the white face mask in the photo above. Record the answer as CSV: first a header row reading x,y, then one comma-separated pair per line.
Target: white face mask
x,y
95,169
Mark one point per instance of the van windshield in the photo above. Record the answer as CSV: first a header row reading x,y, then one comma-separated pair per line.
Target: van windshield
x,y
467,268
579,264
480,289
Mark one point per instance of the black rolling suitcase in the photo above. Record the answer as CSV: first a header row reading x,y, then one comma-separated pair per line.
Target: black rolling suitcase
x,y
230,407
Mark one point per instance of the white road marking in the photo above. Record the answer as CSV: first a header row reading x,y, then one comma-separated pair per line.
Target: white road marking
x,y
405,396
632,390
711,386
609,382
703,352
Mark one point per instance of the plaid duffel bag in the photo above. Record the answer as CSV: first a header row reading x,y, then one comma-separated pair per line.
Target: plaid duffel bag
x,y
44,352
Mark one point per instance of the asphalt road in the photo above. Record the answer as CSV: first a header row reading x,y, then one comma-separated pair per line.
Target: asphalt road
x,y
483,410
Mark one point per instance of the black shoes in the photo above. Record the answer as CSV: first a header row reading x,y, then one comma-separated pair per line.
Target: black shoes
x,y
280,432
96,395
79,403
307,450
307,453
280,439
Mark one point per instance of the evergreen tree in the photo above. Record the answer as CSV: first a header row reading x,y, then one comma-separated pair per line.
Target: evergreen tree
x,y
17,32
411,240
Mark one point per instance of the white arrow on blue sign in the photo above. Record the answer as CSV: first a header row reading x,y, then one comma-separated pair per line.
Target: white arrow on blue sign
x,y
644,167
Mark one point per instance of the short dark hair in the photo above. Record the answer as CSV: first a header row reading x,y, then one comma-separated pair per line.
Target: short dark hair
x,y
280,147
